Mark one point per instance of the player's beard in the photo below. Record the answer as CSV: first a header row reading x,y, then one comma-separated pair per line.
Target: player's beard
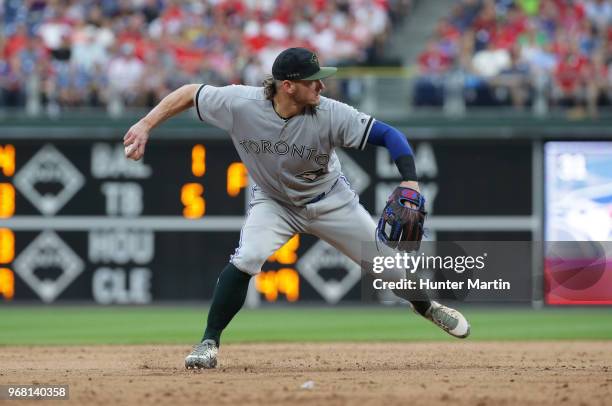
x,y
311,107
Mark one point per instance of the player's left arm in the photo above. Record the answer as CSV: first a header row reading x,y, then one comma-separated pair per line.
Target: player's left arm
x,y
396,142
403,217
354,129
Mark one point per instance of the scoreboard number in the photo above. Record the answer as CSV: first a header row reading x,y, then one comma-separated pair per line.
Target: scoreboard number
x,y
191,197
198,160
7,159
237,178
7,200
7,245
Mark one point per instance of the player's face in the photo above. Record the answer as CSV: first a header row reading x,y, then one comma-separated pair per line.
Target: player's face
x,y
307,92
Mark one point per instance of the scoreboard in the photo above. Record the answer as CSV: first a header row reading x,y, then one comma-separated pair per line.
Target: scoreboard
x,y
80,222
80,207
170,181
578,208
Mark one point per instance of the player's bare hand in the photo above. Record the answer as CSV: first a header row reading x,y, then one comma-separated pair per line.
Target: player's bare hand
x,y
135,140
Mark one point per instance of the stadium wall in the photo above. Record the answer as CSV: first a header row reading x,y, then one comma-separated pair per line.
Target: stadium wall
x,y
81,223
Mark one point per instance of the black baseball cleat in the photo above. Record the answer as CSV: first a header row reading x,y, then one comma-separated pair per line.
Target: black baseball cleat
x,y
203,356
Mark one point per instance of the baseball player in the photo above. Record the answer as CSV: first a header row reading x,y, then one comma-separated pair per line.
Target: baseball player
x,y
285,133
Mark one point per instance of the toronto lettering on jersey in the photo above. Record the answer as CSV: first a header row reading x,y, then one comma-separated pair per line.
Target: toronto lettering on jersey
x,y
283,148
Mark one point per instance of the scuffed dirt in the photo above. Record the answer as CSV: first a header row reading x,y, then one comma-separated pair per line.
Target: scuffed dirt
x,y
459,373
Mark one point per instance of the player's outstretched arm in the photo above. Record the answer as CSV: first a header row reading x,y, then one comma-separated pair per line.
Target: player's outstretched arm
x,y
384,135
403,217
176,102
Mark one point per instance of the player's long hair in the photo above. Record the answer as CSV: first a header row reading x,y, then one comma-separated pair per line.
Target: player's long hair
x,y
270,86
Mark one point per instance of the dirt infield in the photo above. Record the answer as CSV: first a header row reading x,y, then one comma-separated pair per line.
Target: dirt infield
x,y
462,373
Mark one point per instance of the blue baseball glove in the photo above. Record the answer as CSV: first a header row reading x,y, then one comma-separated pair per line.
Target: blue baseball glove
x,y
401,225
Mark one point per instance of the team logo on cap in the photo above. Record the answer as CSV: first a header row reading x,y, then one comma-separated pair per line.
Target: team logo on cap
x,y
314,59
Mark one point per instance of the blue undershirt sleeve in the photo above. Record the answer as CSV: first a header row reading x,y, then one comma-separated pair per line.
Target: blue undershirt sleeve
x,y
383,134
398,146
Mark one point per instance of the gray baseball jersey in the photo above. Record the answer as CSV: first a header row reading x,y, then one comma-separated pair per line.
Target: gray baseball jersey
x,y
292,160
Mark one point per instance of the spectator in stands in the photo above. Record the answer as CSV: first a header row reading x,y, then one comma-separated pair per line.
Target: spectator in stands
x,y
599,12
63,73
88,53
202,38
125,72
514,79
490,61
571,80
33,58
153,81
464,13
15,42
11,83
434,64
529,7
253,73
598,85
448,37
565,46
536,52
484,25
55,28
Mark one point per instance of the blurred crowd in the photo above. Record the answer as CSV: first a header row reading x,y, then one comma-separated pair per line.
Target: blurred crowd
x,y
510,52
83,52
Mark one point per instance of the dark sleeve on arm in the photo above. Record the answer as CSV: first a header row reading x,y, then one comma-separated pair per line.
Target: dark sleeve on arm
x,y
197,102
383,134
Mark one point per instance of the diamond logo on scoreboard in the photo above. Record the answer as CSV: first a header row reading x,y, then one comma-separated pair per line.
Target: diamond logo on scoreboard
x,y
323,256
48,265
49,180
